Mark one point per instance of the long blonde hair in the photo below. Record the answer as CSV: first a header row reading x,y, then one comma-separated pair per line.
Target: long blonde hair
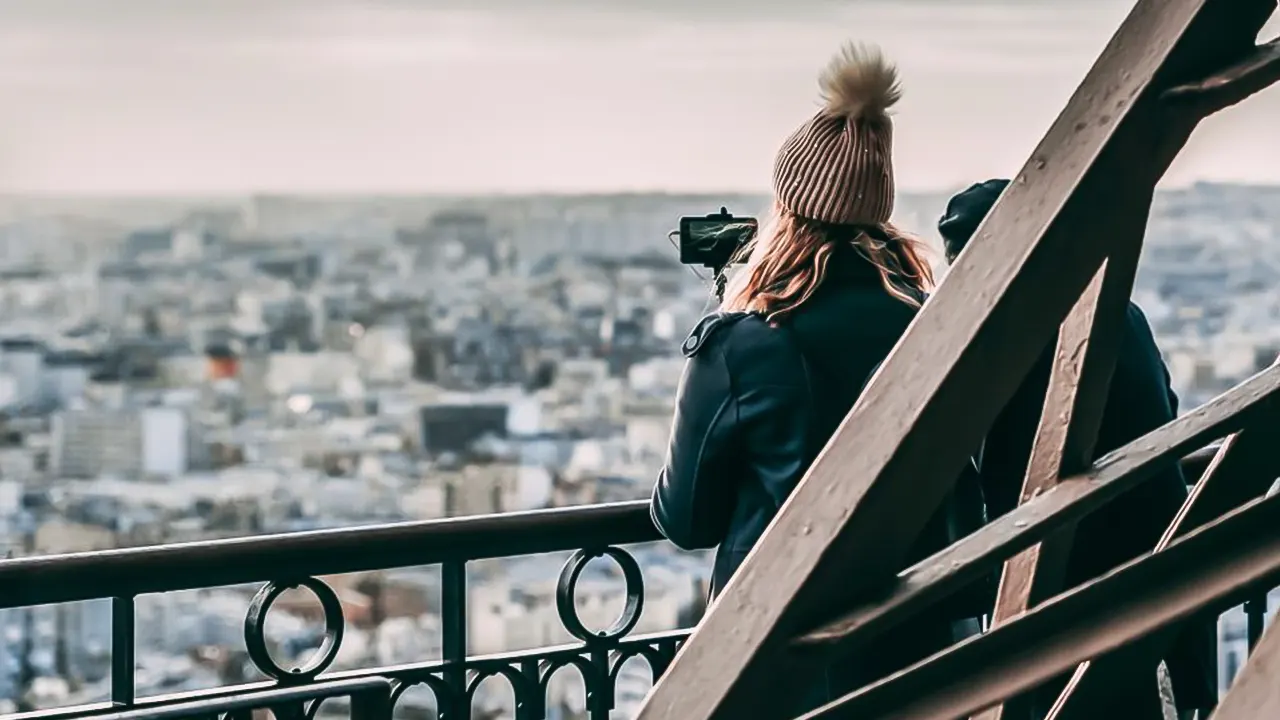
x,y
789,258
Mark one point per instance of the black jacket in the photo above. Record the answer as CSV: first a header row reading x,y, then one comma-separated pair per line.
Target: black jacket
x,y
757,403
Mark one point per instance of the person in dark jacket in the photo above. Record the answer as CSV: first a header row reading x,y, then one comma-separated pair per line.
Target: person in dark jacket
x,y
828,288
1140,400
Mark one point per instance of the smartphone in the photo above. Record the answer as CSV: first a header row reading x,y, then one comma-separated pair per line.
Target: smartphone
x,y
716,240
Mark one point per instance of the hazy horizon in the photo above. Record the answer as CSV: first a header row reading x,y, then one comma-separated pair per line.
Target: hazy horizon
x,y
226,98
321,195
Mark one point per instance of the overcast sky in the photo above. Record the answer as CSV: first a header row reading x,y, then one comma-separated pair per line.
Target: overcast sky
x,y
228,96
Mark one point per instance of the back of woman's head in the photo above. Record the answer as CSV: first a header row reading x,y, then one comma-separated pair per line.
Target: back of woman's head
x,y
833,185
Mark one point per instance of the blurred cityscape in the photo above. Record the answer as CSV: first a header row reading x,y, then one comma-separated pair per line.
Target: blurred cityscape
x,y
182,370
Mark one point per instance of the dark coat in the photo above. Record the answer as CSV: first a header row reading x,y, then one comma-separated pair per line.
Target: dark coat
x,y
1140,400
756,405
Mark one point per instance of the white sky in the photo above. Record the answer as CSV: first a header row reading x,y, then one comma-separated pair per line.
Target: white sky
x,y
230,96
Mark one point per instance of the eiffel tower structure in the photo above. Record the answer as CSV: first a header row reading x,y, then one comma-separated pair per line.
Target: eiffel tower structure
x,y
1053,262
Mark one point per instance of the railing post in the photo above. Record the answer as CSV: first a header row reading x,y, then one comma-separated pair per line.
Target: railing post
x,y
453,623
122,650
534,705
1255,612
600,699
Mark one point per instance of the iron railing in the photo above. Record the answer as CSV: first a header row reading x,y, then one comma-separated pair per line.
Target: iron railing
x,y
292,560
299,560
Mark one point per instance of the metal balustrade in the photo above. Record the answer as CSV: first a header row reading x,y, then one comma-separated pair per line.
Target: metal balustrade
x,y
298,560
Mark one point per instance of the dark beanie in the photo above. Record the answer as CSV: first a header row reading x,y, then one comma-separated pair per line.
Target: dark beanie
x,y
965,212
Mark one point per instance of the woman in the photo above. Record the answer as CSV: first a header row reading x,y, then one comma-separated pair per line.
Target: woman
x,y
829,287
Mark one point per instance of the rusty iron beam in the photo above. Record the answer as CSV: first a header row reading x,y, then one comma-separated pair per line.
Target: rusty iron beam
x,y
1095,686
1255,693
1238,552
935,578
1075,399
1245,467
965,354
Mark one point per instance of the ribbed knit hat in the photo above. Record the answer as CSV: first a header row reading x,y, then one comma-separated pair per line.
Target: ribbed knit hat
x,y
838,167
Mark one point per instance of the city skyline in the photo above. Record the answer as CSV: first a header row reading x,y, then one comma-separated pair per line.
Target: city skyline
x,y
141,97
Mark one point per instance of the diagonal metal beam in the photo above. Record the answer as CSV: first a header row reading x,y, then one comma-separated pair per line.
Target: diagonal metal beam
x,y
1097,687
1238,552
848,526
934,579
1074,403
1068,432
1244,469
1255,693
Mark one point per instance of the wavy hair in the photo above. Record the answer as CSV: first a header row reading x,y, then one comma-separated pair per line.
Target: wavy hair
x,y
788,261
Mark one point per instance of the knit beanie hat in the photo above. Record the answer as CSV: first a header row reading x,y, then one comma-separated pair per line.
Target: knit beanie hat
x,y
838,167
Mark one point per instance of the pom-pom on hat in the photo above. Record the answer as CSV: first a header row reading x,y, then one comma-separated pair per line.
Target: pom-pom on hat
x,y
838,167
